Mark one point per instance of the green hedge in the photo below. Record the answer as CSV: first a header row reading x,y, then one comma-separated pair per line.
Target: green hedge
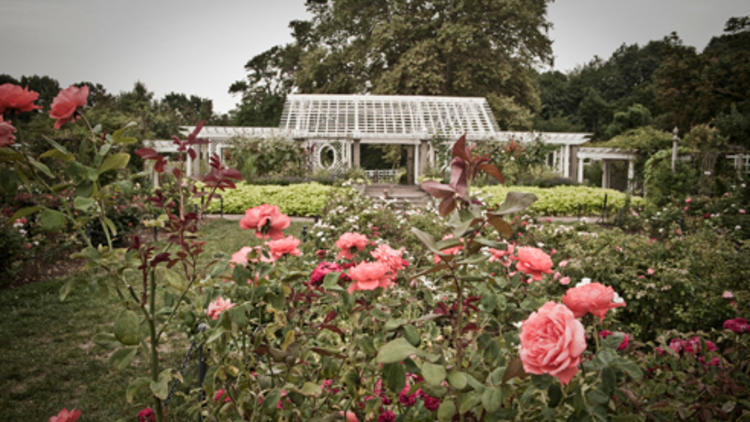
x,y
307,199
562,200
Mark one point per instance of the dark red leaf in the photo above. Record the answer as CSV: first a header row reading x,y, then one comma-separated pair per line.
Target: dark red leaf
x,y
330,316
192,154
162,257
460,150
469,327
159,166
148,154
447,206
492,171
333,328
437,189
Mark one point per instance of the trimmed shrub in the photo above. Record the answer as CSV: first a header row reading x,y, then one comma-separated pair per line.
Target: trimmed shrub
x,y
562,200
306,199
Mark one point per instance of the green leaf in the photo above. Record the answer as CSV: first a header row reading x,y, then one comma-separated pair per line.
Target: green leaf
x,y
555,395
427,239
631,369
393,324
395,351
446,410
57,155
127,328
492,398
41,167
609,379
25,211
121,358
515,202
457,379
411,334
597,397
82,203
55,145
114,162
288,340
135,386
468,401
433,374
52,220
310,389
160,388
394,375
331,280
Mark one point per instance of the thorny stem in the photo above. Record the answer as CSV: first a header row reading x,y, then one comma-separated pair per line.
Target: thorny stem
x,y
154,345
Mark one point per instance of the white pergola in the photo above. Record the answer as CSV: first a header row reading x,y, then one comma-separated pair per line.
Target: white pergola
x,y
605,155
335,126
564,157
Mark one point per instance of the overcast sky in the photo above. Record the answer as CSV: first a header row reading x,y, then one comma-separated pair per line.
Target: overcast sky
x,y
199,47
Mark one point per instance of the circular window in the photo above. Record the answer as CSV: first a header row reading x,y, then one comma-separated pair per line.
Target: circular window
x,y
327,156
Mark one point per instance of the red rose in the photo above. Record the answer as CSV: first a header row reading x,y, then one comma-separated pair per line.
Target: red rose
x,y
13,97
66,103
6,134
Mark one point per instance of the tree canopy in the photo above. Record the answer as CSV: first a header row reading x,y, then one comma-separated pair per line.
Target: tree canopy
x,y
469,48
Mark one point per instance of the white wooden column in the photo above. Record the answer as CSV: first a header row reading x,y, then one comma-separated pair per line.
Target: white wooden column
x,y
580,170
566,163
631,175
605,173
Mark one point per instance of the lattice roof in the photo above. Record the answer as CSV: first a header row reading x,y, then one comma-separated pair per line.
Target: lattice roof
x,y
554,138
387,116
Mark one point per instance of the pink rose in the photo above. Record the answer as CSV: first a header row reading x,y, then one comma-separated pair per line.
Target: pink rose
x,y
369,276
565,281
392,258
534,262
267,221
503,256
66,102
650,271
741,210
688,200
593,298
218,306
349,243
349,416
6,134
284,246
727,295
552,342
13,97
738,325
66,416
147,415
240,257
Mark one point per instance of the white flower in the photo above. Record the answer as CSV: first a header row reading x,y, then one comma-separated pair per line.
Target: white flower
x,y
584,281
738,227
618,299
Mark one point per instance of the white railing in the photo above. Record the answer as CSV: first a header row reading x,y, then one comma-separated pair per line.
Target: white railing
x,y
385,175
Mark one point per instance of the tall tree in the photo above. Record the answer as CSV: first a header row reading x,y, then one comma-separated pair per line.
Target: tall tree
x,y
442,47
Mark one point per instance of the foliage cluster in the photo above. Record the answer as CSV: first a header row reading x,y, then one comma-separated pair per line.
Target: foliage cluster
x,y
651,85
269,158
413,48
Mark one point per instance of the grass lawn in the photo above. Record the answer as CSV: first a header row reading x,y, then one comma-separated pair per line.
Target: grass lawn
x,y
49,358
